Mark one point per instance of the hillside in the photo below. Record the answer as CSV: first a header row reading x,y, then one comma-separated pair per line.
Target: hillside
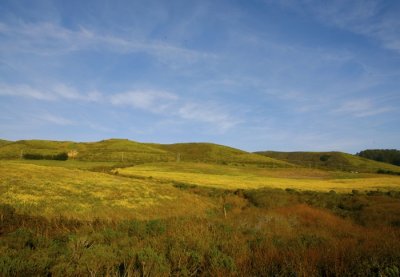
x,y
4,142
209,152
105,150
123,150
331,160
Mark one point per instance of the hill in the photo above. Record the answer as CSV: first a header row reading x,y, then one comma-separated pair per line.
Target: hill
x,y
215,153
331,161
105,150
123,150
4,142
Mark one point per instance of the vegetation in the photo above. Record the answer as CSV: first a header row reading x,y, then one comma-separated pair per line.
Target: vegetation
x,y
391,156
208,152
262,233
58,157
126,151
72,193
204,210
4,142
231,177
331,161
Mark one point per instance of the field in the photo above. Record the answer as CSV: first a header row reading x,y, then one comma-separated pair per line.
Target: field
x,y
55,191
226,177
223,213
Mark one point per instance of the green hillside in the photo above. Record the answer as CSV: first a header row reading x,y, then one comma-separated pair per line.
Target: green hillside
x,y
123,150
331,160
105,150
4,142
209,152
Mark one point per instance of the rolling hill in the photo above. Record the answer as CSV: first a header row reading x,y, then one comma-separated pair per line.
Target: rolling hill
x,y
106,150
123,150
4,142
331,161
215,153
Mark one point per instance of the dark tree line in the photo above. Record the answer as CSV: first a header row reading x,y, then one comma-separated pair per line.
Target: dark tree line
x,y
391,156
59,157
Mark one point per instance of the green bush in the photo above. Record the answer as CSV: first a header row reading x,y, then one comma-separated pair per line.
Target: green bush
x,y
155,227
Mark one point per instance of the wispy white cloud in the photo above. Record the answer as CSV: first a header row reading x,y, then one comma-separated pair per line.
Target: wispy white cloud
x,y
155,101
51,93
208,113
47,38
363,17
54,119
361,108
22,90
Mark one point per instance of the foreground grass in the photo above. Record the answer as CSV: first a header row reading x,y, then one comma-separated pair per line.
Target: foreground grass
x,y
253,233
60,221
228,177
56,191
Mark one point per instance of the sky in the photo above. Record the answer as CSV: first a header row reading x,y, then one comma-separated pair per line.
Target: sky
x,y
284,75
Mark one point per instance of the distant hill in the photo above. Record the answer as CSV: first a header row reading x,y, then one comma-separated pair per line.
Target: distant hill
x,y
105,150
4,142
209,152
331,160
391,156
123,150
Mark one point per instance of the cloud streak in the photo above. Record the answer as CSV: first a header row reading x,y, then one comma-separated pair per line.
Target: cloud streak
x,y
361,108
47,38
52,93
150,100
363,17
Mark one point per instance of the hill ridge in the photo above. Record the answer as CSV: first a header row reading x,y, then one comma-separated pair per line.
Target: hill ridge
x,y
125,150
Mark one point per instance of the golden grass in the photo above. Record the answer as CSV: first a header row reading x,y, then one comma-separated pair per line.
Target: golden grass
x,y
251,178
67,164
55,191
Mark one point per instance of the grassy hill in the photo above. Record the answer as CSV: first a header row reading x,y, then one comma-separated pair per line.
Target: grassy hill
x,y
209,152
116,150
331,160
4,142
123,150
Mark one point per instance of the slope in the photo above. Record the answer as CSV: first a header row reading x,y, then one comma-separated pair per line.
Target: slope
x,y
105,150
4,142
123,150
215,153
331,160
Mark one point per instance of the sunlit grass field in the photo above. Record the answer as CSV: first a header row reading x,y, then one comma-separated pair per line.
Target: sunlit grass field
x,y
228,177
56,191
195,219
70,189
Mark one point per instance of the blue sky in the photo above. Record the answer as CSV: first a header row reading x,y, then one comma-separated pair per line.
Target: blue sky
x,y
256,74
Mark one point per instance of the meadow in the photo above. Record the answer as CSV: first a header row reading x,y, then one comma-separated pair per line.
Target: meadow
x,y
250,177
235,215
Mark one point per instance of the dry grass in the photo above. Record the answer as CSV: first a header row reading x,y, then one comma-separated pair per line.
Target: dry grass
x,y
54,191
228,177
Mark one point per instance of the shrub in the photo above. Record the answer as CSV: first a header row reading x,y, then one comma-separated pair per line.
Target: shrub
x,y
59,157
150,263
155,227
